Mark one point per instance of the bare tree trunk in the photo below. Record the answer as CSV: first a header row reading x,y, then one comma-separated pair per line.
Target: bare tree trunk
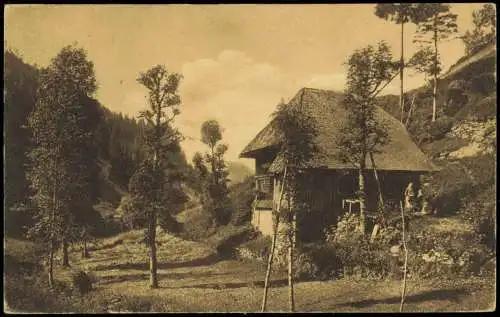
x,y
85,251
410,110
380,196
153,264
52,238
291,245
273,245
403,293
434,93
362,200
65,262
401,71
51,263
269,264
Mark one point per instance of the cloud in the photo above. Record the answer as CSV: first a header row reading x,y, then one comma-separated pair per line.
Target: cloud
x,y
235,90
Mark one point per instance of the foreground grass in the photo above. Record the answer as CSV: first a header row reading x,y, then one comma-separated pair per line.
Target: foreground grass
x,y
193,279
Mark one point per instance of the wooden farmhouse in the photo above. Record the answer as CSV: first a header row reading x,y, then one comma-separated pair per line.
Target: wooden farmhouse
x,y
331,183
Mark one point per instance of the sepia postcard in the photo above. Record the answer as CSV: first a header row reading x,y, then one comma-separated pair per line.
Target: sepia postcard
x,y
250,158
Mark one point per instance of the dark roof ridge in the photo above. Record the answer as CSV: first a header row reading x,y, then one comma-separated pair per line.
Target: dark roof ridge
x,y
303,89
320,89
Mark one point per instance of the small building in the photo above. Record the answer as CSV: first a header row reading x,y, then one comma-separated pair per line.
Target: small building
x,y
332,183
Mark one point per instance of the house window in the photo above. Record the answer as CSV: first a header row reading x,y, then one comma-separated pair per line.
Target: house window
x,y
264,186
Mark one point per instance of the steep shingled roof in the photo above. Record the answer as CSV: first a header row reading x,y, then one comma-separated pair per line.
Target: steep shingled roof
x,y
324,106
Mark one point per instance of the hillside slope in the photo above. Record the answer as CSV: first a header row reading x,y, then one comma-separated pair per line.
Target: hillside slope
x,y
484,54
462,141
466,107
238,172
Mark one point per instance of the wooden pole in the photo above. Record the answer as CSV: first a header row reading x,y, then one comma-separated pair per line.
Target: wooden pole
x,y
291,232
410,110
291,239
273,245
401,70
403,293
434,90
380,196
52,236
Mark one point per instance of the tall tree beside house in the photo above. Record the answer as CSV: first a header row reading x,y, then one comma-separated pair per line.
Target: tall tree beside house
x,y
150,184
440,25
400,13
484,31
368,69
216,200
61,162
297,147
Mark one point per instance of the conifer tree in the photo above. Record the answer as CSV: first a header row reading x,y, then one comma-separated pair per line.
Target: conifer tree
x,y
440,25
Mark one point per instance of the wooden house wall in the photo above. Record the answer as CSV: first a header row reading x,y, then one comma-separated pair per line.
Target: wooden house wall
x,y
321,196
325,190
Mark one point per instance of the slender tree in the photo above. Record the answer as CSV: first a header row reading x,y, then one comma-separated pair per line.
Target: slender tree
x,y
368,70
217,194
149,183
211,134
440,25
60,166
297,147
400,13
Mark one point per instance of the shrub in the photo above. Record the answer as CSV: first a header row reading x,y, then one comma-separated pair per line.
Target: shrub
x,y
229,237
257,248
445,254
446,188
480,109
198,225
305,267
483,84
481,213
432,253
440,127
460,182
355,254
218,210
325,263
82,282
456,97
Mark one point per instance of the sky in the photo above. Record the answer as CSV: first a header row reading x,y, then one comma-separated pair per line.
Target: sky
x,y
238,61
